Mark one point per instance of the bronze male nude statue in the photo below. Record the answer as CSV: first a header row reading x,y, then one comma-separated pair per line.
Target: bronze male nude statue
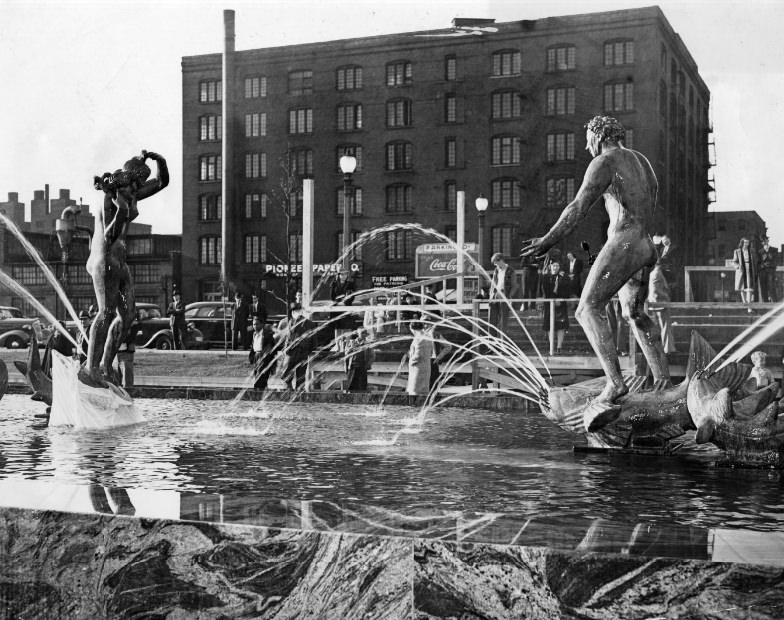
x,y
628,184
107,263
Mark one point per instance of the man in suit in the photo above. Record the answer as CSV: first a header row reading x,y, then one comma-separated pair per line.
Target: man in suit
x,y
258,309
530,283
574,269
767,261
502,287
239,323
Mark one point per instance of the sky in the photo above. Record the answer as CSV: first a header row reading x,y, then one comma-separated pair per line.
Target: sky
x,y
86,85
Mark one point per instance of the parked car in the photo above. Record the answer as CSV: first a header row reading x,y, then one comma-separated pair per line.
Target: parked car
x,y
208,318
154,330
16,329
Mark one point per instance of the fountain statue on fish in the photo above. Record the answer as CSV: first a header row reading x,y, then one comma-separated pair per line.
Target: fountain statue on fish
x,y
724,408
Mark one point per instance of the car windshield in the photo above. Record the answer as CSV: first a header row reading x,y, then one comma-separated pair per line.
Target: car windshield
x,y
10,313
149,313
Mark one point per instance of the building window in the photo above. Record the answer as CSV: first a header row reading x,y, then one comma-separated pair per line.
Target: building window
x,y
356,250
255,248
398,198
501,239
399,73
295,247
301,121
210,168
618,53
559,192
560,101
301,82
139,246
560,147
561,58
450,108
399,113
354,200
295,202
255,165
450,196
349,149
210,91
210,250
506,104
349,116
301,162
506,194
505,150
450,68
399,156
399,245
349,78
619,97
28,274
256,125
506,62
741,224
210,207
255,87
628,141
255,205
145,274
450,152
210,127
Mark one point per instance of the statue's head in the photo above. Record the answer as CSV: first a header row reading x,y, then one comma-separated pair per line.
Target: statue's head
x,y
136,170
601,129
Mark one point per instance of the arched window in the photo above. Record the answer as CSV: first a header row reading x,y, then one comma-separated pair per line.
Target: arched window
x,y
349,77
505,150
210,250
398,198
505,193
399,155
506,104
399,113
506,62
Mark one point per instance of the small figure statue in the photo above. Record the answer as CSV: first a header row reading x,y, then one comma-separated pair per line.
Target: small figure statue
x,y
107,265
626,181
761,375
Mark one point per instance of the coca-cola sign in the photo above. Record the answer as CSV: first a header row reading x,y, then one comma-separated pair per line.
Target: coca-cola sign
x,y
440,259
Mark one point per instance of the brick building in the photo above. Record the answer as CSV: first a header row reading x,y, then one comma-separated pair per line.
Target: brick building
x,y
154,260
731,226
488,108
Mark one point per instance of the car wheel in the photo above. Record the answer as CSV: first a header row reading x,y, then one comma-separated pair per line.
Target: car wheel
x,y
14,342
164,343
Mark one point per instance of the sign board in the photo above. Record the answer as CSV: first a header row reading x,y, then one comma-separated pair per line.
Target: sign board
x,y
440,259
319,269
390,280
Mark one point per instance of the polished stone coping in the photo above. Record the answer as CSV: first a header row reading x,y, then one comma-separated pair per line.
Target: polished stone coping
x,y
578,534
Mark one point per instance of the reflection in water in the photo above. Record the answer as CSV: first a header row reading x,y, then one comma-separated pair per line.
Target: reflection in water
x,y
469,461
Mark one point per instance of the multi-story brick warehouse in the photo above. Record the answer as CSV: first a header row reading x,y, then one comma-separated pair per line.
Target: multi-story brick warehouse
x,y
493,109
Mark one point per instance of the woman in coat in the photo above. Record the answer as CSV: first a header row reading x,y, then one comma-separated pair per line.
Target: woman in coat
x,y
745,270
556,285
419,354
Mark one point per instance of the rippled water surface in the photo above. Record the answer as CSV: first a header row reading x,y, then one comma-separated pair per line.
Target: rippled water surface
x,y
471,460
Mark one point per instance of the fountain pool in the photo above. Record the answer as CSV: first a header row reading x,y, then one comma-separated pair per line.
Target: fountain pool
x,y
211,510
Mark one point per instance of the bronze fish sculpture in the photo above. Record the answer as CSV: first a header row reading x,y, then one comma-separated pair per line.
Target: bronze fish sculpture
x,y
33,372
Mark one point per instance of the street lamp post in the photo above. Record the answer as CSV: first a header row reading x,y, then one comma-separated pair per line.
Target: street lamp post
x,y
348,164
481,207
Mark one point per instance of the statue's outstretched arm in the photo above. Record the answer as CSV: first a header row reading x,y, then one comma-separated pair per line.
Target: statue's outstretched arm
x,y
597,178
156,184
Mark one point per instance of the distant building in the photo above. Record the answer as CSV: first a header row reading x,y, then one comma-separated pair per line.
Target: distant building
x,y
731,227
154,260
488,108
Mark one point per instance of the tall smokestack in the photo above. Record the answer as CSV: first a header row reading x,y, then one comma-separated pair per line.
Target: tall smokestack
x,y
227,172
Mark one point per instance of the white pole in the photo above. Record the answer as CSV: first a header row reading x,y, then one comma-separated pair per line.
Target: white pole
x,y
307,241
460,243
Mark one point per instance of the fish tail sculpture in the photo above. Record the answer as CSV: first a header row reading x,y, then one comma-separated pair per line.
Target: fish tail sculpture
x,y
33,372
